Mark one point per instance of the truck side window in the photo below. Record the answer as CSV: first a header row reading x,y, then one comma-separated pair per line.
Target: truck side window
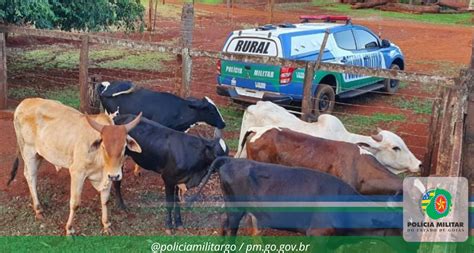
x,y
345,40
365,40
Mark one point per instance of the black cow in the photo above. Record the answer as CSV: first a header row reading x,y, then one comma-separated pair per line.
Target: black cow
x,y
180,158
162,107
245,181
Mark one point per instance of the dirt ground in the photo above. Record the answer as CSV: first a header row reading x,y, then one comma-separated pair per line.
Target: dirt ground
x,y
427,47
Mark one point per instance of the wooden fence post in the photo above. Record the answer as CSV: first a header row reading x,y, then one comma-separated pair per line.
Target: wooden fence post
x,y
272,6
468,139
154,15
307,103
3,72
187,26
83,74
150,15
434,128
94,100
229,6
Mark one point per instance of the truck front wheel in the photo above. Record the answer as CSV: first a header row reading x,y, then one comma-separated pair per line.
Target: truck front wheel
x,y
391,85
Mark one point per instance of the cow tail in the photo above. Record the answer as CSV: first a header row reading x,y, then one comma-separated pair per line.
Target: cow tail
x,y
244,141
14,169
212,168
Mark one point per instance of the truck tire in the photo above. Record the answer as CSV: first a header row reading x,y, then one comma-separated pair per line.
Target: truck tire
x,y
324,99
391,85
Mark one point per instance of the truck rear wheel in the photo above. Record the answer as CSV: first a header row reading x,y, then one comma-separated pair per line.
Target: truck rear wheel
x,y
324,99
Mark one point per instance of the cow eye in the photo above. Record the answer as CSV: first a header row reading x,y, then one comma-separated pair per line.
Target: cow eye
x,y
396,148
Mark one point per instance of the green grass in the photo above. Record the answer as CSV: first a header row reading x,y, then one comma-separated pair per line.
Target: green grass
x,y
434,18
66,57
210,1
232,117
69,95
418,106
365,124
142,61
233,120
403,85
443,68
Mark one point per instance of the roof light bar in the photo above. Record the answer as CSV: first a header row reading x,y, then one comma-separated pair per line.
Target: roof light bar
x,y
325,18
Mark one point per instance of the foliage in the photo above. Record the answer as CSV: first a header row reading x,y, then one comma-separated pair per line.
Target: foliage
x,y
88,15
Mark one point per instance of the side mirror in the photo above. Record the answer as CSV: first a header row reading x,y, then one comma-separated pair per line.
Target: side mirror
x,y
372,44
386,43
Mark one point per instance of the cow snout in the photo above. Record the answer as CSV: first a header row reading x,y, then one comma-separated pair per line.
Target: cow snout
x,y
115,177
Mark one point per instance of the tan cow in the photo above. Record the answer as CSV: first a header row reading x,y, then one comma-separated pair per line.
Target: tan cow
x,y
92,147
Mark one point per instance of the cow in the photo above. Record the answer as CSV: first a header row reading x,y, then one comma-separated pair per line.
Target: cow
x,y
162,107
181,159
91,147
387,147
123,97
341,159
246,185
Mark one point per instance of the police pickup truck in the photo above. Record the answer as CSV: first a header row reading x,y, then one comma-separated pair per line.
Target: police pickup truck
x,y
347,44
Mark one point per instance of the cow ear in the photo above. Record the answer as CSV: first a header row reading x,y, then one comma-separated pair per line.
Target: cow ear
x,y
95,145
132,145
366,146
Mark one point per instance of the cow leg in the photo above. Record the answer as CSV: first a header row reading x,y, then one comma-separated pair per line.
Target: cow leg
x,y
32,162
77,183
225,226
104,199
252,224
118,194
169,192
234,221
177,210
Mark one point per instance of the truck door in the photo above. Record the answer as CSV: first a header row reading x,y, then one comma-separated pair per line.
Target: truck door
x,y
368,48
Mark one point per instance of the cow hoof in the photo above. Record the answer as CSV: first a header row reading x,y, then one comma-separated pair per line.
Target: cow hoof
x,y
70,232
168,231
107,231
122,207
39,216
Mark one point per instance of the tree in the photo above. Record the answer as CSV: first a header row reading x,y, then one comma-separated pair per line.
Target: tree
x,y
85,15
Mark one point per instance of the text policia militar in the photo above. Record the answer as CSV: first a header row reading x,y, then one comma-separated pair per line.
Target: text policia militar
x,y
440,224
436,226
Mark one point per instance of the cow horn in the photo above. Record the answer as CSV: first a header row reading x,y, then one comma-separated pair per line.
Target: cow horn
x,y
98,127
377,138
130,125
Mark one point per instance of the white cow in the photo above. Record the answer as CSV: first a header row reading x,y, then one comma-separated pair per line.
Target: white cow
x,y
387,147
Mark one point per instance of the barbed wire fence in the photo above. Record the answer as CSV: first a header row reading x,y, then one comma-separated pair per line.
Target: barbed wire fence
x,y
202,82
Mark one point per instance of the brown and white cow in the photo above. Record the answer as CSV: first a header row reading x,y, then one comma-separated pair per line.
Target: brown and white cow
x,y
92,147
341,159
387,147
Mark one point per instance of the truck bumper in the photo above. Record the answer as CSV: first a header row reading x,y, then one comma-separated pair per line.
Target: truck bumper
x,y
229,91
